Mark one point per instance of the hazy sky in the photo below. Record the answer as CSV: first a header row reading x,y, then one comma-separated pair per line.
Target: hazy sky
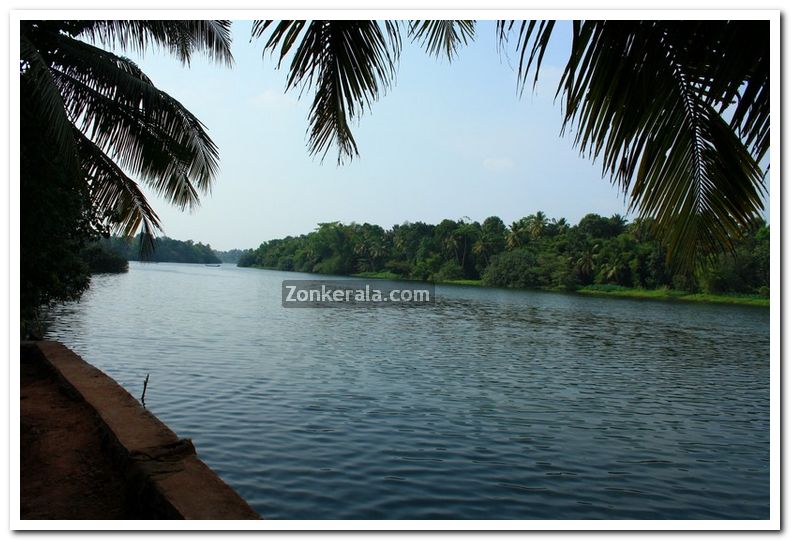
x,y
447,141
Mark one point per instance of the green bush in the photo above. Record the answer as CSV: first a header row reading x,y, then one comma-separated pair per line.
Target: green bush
x,y
449,271
513,269
101,260
400,268
688,283
763,291
332,265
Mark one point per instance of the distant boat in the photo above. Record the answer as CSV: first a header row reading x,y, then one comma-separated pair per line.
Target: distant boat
x,y
213,264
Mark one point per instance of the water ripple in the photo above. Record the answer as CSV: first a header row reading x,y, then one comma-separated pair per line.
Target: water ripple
x,y
489,404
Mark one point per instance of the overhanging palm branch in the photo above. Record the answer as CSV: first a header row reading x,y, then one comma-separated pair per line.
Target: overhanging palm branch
x,y
46,101
120,197
181,38
650,99
107,114
348,65
442,37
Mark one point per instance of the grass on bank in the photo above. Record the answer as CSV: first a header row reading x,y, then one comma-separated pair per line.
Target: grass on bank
x,y
606,290
463,282
610,290
385,275
672,294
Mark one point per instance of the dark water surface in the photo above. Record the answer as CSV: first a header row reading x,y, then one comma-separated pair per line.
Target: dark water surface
x,y
491,404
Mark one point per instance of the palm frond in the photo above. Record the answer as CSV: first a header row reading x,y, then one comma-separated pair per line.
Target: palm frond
x,y
116,196
349,64
733,77
182,38
532,43
646,98
46,100
439,37
112,122
146,131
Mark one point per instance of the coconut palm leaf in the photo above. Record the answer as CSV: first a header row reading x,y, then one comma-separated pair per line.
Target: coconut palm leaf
x,y
149,133
439,37
46,100
121,198
111,119
530,52
649,99
181,38
348,64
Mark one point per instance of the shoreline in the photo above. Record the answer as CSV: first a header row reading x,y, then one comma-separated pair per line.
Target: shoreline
x,y
675,295
139,467
611,291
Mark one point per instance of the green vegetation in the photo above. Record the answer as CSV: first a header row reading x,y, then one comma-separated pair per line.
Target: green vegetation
x,y
475,283
229,256
93,125
605,256
56,223
386,275
671,294
677,112
166,250
101,259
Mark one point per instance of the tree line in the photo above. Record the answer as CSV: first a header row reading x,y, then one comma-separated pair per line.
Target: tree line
x,y
166,250
229,256
533,252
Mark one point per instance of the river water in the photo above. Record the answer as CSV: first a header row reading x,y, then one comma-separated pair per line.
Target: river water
x,y
489,404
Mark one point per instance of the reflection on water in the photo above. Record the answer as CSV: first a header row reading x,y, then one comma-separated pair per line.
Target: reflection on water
x,y
491,404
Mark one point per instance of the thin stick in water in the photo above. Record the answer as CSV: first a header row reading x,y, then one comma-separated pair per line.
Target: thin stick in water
x,y
145,386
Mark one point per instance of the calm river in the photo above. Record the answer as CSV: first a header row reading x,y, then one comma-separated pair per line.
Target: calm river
x,y
491,404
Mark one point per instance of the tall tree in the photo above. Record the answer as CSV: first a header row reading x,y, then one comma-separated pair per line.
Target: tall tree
x,y
108,120
100,124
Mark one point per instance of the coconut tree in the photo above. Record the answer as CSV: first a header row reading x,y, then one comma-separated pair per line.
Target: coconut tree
x,y
536,225
677,112
517,234
587,261
109,123
557,226
93,125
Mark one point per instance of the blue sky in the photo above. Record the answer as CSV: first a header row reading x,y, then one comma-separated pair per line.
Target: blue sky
x,y
447,141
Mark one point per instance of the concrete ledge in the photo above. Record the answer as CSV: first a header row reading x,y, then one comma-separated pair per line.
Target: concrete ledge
x,y
164,477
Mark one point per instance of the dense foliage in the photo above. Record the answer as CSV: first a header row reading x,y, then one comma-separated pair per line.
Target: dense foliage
x,y
229,256
533,252
100,259
56,223
165,250
93,126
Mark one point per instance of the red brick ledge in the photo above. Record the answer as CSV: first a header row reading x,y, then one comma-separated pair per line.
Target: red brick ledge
x,y
165,478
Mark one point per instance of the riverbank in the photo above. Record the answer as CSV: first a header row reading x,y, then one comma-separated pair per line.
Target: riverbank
x,y
606,290
599,290
672,295
64,474
89,450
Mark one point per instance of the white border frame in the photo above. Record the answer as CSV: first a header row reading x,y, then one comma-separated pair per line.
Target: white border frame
x,y
773,523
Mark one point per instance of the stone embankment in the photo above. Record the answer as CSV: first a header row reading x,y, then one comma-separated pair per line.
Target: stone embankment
x,y
160,474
